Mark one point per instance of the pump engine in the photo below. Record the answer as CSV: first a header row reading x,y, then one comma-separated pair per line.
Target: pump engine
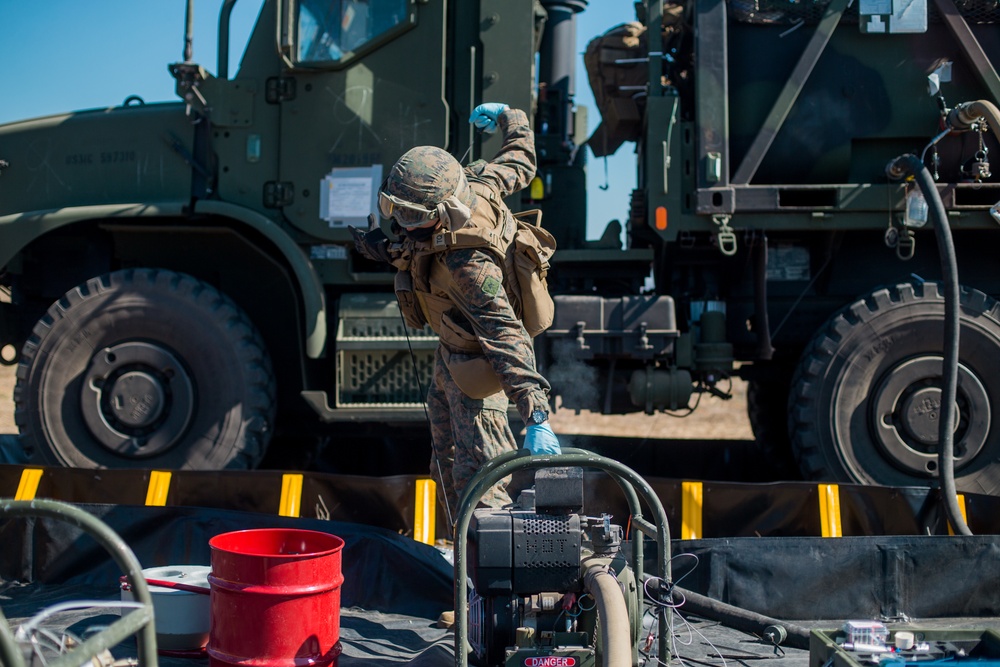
x,y
550,585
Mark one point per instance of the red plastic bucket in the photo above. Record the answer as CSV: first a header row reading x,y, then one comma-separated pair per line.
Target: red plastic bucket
x,y
275,598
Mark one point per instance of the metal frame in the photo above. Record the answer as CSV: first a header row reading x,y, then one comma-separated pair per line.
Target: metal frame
x,y
728,196
971,47
627,479
786,100
139,622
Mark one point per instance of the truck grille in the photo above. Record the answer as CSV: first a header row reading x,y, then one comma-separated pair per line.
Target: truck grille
x,y
380,361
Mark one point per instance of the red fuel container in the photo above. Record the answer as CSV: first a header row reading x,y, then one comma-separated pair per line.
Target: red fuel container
x,y
275,598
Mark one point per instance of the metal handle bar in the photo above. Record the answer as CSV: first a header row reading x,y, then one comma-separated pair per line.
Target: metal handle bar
x,y
139,622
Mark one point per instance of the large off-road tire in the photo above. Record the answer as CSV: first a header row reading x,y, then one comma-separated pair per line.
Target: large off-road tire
x,y
145,368
866,398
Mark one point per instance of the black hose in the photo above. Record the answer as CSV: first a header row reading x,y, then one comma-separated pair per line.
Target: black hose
x,y
901,167
738,618
762,326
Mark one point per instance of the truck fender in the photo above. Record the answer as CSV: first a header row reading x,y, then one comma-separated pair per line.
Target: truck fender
x,y
313,300
19,229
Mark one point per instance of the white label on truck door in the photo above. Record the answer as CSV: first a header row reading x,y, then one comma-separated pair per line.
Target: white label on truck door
x,y
349,195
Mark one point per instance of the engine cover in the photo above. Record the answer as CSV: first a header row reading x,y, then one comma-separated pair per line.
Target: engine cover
x,y
519,552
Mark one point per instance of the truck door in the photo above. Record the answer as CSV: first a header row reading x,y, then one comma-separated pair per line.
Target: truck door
x,y
362,82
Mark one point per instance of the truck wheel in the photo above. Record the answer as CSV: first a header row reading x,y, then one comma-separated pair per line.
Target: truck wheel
x,y
865,400
145,368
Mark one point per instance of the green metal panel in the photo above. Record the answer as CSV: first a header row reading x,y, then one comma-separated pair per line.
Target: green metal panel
x,y
508,59
102,156
246,139
711,90
367,110
790,92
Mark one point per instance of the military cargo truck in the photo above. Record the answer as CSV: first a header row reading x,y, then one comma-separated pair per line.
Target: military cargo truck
x,y
763,138
184,290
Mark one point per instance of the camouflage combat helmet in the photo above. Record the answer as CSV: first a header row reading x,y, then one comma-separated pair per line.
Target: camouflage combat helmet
x,y
421,179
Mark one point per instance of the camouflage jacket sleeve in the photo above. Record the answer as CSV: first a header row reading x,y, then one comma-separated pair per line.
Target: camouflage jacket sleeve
x,y
514,166
477,291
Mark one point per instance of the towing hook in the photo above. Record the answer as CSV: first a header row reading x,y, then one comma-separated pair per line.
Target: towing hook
x,y
725,236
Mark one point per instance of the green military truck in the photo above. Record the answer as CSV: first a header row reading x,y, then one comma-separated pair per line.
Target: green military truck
x,y
184,290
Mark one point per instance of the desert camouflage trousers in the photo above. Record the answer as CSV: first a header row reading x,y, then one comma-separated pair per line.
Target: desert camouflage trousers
x,y
467,433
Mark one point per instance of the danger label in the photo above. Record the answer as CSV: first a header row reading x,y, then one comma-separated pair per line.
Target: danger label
x,y
550,661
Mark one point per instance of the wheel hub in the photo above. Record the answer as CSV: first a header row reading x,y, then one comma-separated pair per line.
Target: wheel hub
x,y
921,415
138,400
907,412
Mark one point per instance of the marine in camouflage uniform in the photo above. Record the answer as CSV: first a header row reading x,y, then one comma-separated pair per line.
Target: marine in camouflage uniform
x,y
465,286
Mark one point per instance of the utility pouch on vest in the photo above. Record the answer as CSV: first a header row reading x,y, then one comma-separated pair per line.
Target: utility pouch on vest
x,y
408,303
455,337
533,248
463,355
471,373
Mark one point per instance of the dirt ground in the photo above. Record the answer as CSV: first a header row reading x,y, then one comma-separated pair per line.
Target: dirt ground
x,y
714,419
7,400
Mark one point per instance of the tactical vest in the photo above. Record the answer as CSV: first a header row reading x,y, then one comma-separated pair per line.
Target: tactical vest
x,y
522,250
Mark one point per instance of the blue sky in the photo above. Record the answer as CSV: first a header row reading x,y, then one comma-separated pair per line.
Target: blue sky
x,y
64,55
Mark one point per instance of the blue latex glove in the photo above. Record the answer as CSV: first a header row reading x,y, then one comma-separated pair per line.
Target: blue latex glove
x,y
540,440
485,116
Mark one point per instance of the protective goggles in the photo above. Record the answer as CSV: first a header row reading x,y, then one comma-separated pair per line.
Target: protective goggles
x,y
407,214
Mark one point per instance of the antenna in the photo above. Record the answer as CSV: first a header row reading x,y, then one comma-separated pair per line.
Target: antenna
x,y
189,32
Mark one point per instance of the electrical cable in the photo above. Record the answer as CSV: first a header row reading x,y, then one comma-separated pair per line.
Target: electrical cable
x,y
423,404
688,641
423,400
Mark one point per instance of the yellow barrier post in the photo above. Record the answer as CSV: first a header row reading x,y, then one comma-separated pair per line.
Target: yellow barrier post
x,y
28,486
159,487
961,508
829,510
291,495
424,511
691,509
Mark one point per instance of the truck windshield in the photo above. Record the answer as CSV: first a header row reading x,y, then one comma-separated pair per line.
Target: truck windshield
x,y
328,30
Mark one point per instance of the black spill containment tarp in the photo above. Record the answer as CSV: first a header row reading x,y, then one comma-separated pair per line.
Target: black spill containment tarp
x,y
886,577
394,588
381,570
